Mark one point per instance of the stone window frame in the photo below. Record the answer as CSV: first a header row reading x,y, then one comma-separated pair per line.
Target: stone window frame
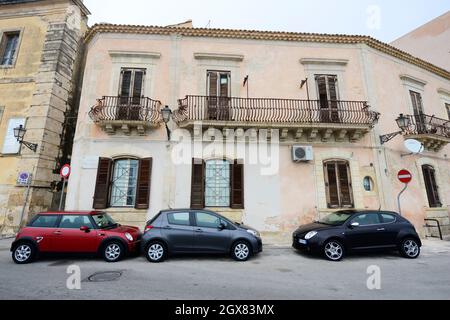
x,y
443,188
16,55
356,179
411,83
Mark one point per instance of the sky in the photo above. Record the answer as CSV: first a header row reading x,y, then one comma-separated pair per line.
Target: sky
x,y
385,20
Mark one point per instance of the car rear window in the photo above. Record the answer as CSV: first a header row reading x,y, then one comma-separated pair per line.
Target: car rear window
x,y
388,218
45,222
179,218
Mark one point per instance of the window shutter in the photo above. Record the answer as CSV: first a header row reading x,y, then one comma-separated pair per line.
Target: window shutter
x,y
332,87
212,84
138,83
198,184
125,83
144,184
101,193
345,185
431,186
237,185
331,185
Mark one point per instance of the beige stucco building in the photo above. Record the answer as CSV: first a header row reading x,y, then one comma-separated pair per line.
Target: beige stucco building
x,y
324,150
40,51
430,42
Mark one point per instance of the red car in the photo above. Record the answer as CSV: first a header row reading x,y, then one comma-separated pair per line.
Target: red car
x,y
75,232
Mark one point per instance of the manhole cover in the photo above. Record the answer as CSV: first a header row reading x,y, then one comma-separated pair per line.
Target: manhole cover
x,y
105,276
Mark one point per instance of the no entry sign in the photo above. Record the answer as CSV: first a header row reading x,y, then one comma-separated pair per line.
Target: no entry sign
x,y
404,176
65,171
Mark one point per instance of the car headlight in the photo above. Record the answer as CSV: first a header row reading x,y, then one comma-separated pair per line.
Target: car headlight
x,y
129,236
254,233
310,235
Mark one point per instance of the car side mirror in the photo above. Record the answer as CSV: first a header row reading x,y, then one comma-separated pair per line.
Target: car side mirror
x,y
85,229
354,225
222,226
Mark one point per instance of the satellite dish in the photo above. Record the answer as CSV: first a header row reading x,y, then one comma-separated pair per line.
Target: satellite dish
x,y
414,146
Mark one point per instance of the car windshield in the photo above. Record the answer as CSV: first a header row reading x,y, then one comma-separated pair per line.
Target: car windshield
x,y
104,221
337,218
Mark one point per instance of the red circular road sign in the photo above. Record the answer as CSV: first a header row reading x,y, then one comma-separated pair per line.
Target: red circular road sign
x,y
404,176
65,171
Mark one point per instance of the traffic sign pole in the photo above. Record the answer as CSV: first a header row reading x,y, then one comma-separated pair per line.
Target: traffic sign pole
x,y
405,177
65,174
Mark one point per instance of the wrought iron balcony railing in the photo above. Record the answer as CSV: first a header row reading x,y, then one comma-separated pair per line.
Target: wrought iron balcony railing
x,y
428,125
129,109
264,110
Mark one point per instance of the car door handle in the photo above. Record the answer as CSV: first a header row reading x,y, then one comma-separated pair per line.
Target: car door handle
x,y
198,230
381,229
57,232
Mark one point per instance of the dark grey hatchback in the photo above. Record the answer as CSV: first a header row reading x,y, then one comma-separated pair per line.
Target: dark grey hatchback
x,y
197,231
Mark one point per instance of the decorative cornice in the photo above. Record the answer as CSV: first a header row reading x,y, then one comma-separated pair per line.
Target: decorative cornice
x,y
411,79
323,61
443,92
134,54
218,56
270,36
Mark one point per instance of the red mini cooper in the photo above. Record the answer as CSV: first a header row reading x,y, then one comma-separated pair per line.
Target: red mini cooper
x,y
75,232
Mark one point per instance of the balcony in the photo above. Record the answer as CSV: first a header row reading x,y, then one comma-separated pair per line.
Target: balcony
x,y
299,119
433,132
126,114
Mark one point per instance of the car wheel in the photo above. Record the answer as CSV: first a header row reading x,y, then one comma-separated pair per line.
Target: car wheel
x,y
156,252
113,251
333,250
409,248
241,251
24,253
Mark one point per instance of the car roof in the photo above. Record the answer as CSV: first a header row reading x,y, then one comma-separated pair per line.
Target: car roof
x,y
56,213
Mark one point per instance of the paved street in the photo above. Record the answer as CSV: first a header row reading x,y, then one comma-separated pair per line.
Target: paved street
x,y
278,273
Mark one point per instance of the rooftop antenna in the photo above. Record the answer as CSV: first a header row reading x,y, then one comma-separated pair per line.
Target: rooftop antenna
x,y
208,25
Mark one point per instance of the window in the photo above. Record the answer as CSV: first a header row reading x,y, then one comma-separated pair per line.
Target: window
x,y
179,218
9,44
367,219
429,175
219,92
124,182
217,183
10,144
447,106
103,220
45,222
338,184
75,222
416,100
131,85
368,184
388,218
328,96
207,220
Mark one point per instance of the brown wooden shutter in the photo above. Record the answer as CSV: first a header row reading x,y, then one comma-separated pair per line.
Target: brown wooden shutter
x,y
322,91
212,84
237,185
125,84
144,184
331,185
345,185
101,194
198,184
431,186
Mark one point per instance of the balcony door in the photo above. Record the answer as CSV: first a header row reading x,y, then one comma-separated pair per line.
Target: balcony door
x,y
419,116
219,92
130,93
327,90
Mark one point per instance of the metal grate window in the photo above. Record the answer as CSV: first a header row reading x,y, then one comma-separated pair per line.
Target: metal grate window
x,y
217,183
124,182
9,45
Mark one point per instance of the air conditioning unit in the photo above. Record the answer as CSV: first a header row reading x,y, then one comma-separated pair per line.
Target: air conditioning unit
x,y
302,154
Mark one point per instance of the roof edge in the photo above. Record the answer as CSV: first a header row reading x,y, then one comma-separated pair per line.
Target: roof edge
x,y
269,35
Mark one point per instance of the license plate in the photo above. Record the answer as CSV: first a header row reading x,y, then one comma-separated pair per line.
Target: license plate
x,y
302,241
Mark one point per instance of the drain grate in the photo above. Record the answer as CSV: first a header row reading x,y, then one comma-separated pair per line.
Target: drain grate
x,y
105,276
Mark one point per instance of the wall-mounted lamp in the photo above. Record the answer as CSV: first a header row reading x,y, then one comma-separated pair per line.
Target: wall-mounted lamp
x,y
403,123
19,134
166,114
